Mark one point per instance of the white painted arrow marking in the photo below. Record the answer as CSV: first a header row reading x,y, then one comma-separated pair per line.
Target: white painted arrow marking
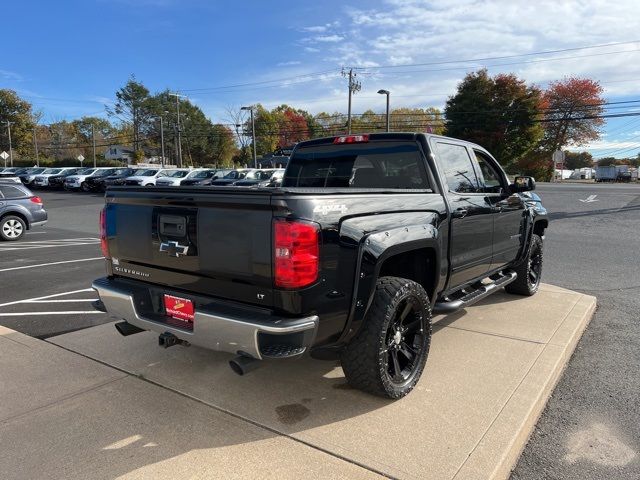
x,y
589,199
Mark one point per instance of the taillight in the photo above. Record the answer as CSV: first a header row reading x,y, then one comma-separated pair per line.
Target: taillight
x,y
103,233
352,139
296,253
37,200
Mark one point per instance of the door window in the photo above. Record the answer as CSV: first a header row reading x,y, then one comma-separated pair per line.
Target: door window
x,y
489,178
458,168
11,192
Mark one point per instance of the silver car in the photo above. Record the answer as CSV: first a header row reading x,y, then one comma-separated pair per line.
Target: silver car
x,y
20,210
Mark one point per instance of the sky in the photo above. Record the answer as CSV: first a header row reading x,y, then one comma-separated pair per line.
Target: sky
x,y
69,57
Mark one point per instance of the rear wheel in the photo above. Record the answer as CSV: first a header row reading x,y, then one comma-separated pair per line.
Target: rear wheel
x,y
12,228
389,353
529,271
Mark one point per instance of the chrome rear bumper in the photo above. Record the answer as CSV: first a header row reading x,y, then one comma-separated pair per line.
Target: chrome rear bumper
x,y
255,336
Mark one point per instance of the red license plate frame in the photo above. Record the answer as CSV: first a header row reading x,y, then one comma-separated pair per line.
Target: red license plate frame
x,y
179,308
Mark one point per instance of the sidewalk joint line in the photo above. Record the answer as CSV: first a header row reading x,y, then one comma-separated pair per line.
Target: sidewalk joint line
x,y
232,414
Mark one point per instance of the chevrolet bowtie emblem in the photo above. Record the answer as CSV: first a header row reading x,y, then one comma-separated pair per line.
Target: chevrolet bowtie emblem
x,y
174,249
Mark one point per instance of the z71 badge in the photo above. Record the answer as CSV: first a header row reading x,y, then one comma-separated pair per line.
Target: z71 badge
x,y
330,208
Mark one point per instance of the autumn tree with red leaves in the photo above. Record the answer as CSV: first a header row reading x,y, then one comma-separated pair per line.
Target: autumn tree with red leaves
x,y
572,113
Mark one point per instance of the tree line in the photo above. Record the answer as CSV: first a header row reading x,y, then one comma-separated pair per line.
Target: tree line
x,y
519,123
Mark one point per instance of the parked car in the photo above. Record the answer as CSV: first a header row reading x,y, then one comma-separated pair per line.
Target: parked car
x,y
232,177
96,182
261,178
74,182
57,180
42,179
174,178
203,177
20,210
30,174
368,235
144,177
119,178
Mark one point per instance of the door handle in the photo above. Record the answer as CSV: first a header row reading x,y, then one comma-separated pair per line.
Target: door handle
x,y
497,208
459,213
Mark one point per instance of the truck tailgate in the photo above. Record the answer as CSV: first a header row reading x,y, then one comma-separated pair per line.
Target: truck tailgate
x,y
214,241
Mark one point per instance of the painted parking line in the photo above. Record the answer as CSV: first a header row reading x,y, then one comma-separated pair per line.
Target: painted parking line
x,y
26,300
58,240
28,314
46,245
52,299
50,263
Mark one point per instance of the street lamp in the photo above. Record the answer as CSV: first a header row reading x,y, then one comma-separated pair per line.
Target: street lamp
x,y
387,93
161,138
253,135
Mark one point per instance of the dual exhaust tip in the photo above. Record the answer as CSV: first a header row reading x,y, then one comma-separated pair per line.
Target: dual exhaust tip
x,y
240,365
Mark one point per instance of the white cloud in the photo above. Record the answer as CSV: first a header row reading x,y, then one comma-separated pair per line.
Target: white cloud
x,y
9,75
288,63
328,38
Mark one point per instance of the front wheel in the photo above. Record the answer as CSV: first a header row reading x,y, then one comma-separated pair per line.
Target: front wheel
x,y
389,353
529,271
12,228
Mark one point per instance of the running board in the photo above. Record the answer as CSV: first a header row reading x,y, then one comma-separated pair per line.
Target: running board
x,y
473,293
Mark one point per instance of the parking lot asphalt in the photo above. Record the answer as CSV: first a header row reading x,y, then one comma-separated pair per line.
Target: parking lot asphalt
x,y
591,426
45,278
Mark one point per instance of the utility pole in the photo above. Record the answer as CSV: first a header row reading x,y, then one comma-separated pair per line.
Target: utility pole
x,y
93,137
177,95
10,149
162,140
35,145
253,135
354,86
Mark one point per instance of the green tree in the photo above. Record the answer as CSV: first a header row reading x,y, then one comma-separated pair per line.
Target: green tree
x,y
574,160
22,118
223,145
500,113
132,107
606,161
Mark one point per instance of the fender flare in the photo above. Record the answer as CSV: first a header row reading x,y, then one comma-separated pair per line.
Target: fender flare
x,y
373,250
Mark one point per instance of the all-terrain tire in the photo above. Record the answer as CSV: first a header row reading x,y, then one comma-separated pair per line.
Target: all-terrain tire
x,y
12,228
529,271
369,361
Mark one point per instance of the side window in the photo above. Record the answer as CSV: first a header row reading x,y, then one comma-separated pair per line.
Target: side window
x,y
458,168
11,192
490,178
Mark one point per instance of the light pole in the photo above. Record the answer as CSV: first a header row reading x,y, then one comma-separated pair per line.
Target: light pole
x,y
177,95
93,140
253,135
10,149
35,145
162,140
387,93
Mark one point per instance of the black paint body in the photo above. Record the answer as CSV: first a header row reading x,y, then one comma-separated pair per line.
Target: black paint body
x,y
365,233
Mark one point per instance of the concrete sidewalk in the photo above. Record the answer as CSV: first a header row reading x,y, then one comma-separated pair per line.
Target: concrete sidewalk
x,y
489,374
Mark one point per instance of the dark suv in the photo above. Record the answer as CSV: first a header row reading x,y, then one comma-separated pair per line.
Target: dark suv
x,y
20,210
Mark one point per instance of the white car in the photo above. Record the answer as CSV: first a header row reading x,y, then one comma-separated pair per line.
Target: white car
x,y
147,177
174,178
74,182
42,180
29,176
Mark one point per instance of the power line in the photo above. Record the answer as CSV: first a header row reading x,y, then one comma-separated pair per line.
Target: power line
x,y
503,57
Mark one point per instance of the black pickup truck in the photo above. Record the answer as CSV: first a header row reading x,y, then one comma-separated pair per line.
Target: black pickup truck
x,y
368,236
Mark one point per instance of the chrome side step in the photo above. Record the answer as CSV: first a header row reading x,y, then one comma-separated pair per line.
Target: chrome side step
x,y
473,293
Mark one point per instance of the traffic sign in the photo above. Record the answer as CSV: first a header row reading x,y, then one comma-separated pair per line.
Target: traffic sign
x,y
81,158
4,155
558,159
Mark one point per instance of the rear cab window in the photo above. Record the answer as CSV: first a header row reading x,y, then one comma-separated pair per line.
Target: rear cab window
x,y
378,165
